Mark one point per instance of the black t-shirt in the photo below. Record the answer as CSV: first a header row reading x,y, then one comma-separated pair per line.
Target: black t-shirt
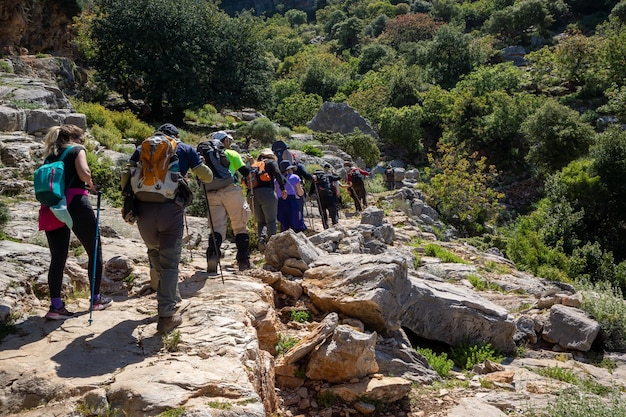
x,y
71,175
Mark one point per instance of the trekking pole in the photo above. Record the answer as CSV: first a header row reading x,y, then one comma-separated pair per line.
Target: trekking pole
x,y
95,256
188,237
208,209
319,205
251,190
308,211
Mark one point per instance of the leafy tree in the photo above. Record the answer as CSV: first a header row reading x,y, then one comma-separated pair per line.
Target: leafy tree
x,y
374,56
323,75
409,28
296,17
298,109
348,33
376,26
460,190
402,126
261,129
448,56
179,53
520,19
556,136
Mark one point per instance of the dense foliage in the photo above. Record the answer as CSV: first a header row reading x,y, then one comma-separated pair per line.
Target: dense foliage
x,y
523,89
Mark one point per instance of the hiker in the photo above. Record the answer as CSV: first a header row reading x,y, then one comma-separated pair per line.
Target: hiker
x,y
324,186
261,191
77,183
228,202
161,226
356,185
290,211
390,177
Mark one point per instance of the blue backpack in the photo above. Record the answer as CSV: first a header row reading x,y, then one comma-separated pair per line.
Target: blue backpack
x,y
50,182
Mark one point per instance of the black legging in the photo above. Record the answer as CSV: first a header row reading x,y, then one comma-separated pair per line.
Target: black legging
x,y
84,227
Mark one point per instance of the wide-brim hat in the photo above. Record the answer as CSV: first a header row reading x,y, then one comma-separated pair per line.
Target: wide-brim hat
x,y
267,153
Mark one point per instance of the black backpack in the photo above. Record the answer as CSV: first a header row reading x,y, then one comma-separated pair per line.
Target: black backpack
x,y
356,177
323,185
213,152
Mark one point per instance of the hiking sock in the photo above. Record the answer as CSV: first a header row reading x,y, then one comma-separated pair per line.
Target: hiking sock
x,y
57,303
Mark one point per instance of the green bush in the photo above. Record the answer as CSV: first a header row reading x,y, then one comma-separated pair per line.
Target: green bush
x,y
466,355
445,255
5,216
261,129
605,303
312,150
440,363
106,176
459,189
108,135
376,184
572,403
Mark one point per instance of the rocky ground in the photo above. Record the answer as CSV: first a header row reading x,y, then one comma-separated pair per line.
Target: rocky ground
x,y
116,356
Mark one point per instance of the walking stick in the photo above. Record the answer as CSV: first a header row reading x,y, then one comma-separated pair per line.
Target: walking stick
x,y
188,237
319,205
95,256
208,209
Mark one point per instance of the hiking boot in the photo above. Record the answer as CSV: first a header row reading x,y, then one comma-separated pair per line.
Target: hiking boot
x,y
101,304
167,324
262,245
211,264
59,313
244,264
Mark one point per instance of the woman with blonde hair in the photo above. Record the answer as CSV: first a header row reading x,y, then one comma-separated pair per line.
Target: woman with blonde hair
x,y
77,183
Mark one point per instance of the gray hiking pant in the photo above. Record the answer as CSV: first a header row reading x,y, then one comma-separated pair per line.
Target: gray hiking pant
x,y
161,228
265,211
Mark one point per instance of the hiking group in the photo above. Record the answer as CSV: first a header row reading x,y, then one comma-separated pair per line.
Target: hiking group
x,y
156,194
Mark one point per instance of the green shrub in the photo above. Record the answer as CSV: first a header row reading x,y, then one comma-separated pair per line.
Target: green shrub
x,y
261,129
605,303
312,150
445,255
466,355
460,191
284,344
301,316
376,184
108,135
572,403
440,363
106,176
96,113
5,216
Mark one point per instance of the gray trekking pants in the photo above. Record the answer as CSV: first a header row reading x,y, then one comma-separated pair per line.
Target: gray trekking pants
x,y
161,227
265,211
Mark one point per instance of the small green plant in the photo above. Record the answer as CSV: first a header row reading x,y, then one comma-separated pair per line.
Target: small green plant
x,y
445,255
77,251
572,403
5,66
130,279
326,398
171,341
300,373
439,362
558,373
23,104
87,410
172,412
375,184
301,316
466,355
312,150
284,344
219,405
491,266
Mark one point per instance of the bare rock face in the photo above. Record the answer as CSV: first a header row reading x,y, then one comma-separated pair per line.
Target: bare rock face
x,y
348,354
39,26
378,291
340,118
